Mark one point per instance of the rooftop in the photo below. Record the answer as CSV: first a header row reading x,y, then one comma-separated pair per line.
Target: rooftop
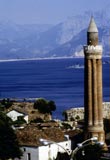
x,y
30,135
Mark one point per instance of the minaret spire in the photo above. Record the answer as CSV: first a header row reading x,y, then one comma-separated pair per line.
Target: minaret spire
x,y
92,26
92,33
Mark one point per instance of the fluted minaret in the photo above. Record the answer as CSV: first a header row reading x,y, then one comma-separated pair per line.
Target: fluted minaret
x,y
93,85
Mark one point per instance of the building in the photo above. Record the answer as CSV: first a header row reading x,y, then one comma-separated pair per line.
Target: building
x,y
15,114
43,152
29,137
93,85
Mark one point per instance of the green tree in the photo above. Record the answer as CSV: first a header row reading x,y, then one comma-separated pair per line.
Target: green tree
x,y
9,147
65,115
107,125
44,106
7,103
51,106
89,152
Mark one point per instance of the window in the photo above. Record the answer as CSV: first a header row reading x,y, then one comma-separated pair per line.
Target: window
x,y
28,156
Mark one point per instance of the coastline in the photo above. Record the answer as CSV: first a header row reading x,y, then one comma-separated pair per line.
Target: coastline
x,y
29,59
46,58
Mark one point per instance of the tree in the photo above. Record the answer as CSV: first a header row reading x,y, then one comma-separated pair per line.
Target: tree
x,y
65,115
9,147
51,106
6,103
89,152
107,125
44,106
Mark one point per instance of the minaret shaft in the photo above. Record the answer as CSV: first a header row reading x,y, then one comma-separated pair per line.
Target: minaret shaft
x,y
93,85
99,89
94,91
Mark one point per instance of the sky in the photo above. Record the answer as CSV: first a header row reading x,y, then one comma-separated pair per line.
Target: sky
x,y
46,11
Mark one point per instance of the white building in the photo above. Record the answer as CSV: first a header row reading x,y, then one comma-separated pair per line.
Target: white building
x,y
14,114
48,152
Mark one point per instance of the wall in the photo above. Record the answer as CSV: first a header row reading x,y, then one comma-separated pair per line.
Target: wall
x,y
33,151
13,115
45,152
26,118
74,112
50,151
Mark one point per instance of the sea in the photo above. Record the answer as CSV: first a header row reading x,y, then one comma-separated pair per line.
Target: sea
x,y
60,80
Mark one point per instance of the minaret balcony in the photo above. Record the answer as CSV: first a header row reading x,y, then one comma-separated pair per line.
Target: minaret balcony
x,y
93,52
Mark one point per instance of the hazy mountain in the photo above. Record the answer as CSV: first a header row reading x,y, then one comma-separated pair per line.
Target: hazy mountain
x,y
12,31
69,48
74,47
15,39
75,29
64,39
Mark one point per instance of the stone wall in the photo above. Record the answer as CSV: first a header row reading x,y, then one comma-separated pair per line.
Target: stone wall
x,y
78,113
106,110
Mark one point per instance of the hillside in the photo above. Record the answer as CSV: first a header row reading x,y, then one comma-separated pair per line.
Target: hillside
x,y
27,107
63,39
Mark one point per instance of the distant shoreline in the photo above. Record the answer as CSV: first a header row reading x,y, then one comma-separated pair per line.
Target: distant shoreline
x,y
20,99
28,59
48,58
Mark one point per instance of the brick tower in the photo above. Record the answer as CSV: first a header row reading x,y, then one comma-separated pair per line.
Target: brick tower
x,y
93,85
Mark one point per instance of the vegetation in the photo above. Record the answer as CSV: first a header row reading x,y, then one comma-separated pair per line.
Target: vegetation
x,y
77,117
89,152
9,147
107,125
63,156
64,114
44,106
5,104
66,126
37,120
20,121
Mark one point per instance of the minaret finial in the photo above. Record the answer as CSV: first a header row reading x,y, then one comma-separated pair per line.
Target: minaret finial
x,y
92,26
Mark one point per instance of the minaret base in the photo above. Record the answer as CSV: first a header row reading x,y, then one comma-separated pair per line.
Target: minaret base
x,y
97,131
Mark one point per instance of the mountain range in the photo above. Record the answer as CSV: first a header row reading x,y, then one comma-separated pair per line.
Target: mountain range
x,y
65,39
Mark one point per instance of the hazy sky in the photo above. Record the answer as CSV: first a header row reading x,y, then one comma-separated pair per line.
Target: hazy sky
x,y
46,11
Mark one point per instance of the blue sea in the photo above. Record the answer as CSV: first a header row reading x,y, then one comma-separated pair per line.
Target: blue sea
x,y
60,80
